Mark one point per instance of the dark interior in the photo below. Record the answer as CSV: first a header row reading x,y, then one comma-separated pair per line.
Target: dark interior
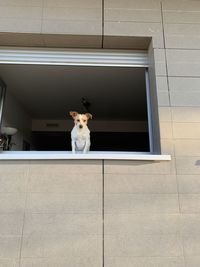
x,y
115,94
100,141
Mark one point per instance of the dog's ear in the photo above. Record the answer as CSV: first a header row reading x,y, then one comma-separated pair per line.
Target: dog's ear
x,y
73,114
88,115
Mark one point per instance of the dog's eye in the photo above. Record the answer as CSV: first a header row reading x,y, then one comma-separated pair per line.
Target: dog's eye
x,y
78,120
84,120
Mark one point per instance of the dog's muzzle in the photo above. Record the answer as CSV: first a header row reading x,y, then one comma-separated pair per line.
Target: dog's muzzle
x,y
80,126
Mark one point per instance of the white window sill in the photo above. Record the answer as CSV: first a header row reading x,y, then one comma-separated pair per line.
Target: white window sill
x,y
68,155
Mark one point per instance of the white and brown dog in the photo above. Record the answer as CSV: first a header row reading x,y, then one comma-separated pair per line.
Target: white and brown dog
x,y
80,134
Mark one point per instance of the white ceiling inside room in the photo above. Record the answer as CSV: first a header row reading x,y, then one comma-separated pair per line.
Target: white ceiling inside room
x,y
50,92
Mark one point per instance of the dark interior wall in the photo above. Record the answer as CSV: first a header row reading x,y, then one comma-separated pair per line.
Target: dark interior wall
x,y
115,94
50,92
100,141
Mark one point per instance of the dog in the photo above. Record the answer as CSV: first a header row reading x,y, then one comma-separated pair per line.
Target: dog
x,y
80,134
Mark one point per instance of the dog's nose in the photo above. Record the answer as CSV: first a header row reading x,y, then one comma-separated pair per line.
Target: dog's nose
x,y
80,126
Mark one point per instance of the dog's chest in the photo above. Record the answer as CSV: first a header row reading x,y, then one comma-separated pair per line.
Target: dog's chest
x,y
80,138
80,135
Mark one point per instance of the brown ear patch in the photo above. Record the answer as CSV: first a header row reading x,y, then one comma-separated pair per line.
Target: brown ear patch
x,y
88,115
73,114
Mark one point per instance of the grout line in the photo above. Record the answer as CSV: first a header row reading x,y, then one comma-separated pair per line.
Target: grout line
x,y
42,18
102,35
20,255
175,162
165,52
180,212
26,197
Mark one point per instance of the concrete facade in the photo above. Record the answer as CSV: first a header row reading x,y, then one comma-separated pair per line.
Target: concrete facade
x,y
110,213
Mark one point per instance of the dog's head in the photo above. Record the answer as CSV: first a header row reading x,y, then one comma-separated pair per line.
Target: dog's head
x,y
80,120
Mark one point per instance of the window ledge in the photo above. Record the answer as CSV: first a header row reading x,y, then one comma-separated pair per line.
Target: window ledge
x,y
68,155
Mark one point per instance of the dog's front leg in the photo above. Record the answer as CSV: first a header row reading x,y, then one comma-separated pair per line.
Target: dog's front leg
x,y
73,147
87,146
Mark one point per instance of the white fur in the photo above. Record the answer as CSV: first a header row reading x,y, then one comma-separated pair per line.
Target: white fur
x,y
80,137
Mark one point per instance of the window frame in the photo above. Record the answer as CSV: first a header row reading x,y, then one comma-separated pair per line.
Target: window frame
x,y
83,57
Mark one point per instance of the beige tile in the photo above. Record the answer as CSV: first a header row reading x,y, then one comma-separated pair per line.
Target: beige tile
x,y
144,224
183,62
142,245
79,224
190,224
140,167
160,64
186,114
166,130
186,130
62,262
11,224
117,28
141,203
9,263
161,82
65,183
10,247
190,203
88,27
61,246
182,35
65,203
133,4
66,167
123,183
126,14
191,244
144,262
22,12
184,84
165,114
177,16
189,184
74,3
185,147
167,147
69,13
188,165
21,3
20,25
181,5
12,166
12,202
185,92
11,182
185,98
163,98
192,261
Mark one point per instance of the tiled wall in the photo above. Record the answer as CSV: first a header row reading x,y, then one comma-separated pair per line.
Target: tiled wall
x,y
51,214
151,210
36,17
